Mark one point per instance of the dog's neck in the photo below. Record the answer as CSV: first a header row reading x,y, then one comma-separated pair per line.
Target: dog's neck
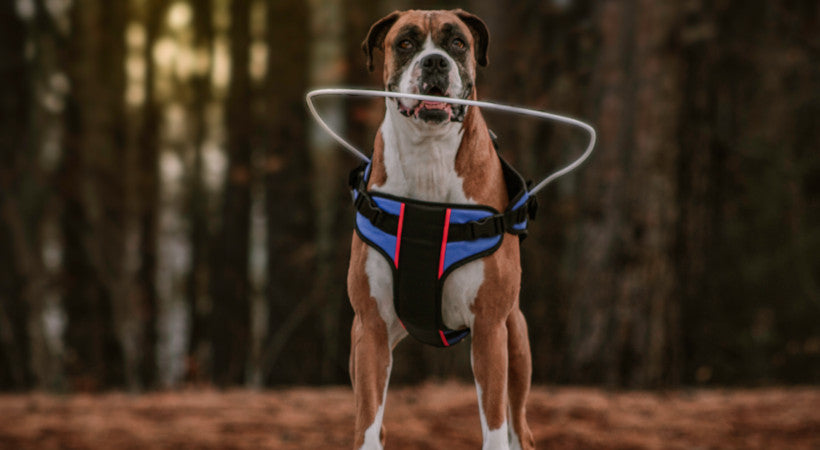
x,y
420,158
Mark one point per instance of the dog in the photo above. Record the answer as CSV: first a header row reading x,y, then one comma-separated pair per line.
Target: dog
x,y
436,155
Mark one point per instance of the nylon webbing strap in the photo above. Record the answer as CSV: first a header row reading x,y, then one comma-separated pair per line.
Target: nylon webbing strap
x,y
494,225
490,226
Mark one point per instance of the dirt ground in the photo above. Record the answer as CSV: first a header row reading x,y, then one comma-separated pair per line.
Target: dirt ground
x,y
431,416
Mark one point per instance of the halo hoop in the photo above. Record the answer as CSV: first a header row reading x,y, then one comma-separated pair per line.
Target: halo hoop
x,y
456,101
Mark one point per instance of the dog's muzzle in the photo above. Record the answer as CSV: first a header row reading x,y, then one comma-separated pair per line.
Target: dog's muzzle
x,y
434,80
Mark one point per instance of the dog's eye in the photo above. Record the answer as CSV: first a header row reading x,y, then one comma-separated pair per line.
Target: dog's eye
x,y
406,44
458,43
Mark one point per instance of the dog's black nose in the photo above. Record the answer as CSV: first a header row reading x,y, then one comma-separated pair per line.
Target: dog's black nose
x,y
435,62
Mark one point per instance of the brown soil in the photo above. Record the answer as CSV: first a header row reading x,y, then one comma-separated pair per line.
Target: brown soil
x,y
432,416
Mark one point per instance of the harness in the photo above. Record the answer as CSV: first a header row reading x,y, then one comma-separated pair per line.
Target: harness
x,y
426,241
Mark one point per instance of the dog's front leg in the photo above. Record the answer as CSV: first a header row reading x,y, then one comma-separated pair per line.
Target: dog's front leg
x,y
370,364
489,358
519,381
375,331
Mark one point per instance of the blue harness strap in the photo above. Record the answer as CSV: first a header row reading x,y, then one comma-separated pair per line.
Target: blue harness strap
x,y
426,241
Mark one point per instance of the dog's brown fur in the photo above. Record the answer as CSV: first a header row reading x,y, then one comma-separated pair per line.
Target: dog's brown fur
x,y
500,345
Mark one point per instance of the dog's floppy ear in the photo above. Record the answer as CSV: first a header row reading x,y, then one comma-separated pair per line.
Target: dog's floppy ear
x,y
375,37
480,35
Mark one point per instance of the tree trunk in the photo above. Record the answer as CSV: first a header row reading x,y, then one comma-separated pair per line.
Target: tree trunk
x,y
198,297
147,128
623,315
326,56
286,166
700,176
14,108
112,239
231,313
31,206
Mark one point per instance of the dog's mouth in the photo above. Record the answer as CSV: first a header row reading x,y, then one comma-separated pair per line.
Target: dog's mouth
x,y
432,111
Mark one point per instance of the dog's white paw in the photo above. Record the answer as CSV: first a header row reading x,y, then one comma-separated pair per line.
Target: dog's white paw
x,y
515,443
372,438
497,439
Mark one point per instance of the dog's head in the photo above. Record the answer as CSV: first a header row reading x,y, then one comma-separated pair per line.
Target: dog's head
x,y
430,53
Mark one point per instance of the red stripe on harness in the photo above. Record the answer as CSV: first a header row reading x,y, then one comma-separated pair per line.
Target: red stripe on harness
x,y
398,235
441,333
444,247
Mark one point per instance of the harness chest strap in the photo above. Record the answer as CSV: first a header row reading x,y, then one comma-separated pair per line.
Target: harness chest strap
x,y
426,241
494,225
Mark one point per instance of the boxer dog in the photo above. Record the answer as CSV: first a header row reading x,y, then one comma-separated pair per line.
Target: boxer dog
x,y
438,152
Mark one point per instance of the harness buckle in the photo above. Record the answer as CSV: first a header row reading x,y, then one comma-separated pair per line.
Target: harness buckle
x,y
358,198
487,227
365,206
376,214
377,219
532,207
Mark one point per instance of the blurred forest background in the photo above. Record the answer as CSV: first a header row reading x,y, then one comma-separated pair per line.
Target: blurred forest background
x,y
170,216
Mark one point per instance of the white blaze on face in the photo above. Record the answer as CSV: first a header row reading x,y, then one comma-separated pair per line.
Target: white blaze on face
x,y
410,82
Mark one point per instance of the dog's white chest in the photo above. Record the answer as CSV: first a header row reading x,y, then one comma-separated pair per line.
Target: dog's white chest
x,y
423,168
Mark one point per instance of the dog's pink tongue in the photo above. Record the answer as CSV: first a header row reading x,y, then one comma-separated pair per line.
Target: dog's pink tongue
x,y
434,105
